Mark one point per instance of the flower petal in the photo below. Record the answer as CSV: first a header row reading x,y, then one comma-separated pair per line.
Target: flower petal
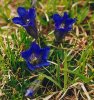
x,y
30,66
34,67
18,20
69,21
44,52
32,13
26,54
35,48
21,11
42,64
57,19
65,16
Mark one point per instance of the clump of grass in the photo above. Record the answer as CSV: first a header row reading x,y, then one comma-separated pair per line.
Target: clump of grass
x,y
71,73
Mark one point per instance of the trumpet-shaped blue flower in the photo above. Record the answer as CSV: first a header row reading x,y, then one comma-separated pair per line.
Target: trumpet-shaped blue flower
x,y
34,87
35,56
63,24
29,92
27,20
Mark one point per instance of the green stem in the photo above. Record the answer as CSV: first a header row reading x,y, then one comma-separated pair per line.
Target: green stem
x,y
65,72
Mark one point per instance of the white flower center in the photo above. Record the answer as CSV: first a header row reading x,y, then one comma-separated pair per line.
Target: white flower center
x,y
33,59
62,26
27,21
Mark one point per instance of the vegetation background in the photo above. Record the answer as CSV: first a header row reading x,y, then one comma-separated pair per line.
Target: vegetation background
x,y
71,74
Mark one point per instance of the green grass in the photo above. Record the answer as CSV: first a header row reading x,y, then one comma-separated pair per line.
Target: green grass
x,y
71,62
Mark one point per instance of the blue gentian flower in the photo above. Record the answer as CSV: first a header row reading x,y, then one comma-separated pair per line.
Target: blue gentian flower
x,y
35,85
35,56
29,92
27,20
63,24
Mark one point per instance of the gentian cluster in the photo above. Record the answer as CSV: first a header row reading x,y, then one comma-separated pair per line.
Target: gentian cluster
x,y
35,56
27,20
63,24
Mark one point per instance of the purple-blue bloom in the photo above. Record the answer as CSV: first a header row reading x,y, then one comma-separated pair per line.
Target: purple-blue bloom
x,y
35,85
29,92
63,24
27,20
35,56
